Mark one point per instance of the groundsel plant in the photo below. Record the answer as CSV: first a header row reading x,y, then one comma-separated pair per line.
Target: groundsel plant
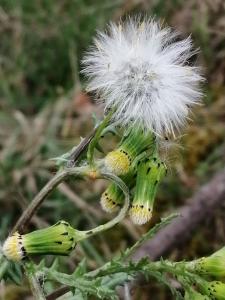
x,y
141,71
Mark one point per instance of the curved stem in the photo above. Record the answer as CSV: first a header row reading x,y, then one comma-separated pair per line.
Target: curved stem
x,y
74,155
36,203
122,213
95,139
46,190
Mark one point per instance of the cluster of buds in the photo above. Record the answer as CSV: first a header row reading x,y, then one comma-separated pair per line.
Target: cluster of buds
x,y
137,163
141,72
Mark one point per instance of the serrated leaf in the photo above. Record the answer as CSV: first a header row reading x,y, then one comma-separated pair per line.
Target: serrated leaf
x,y
55,264
41,264
81,269
151,233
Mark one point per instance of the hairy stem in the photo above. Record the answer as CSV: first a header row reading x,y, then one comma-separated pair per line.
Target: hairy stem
x,y
37,201
96,137
122,212
126,254
46,190
81,148
154,269
36,289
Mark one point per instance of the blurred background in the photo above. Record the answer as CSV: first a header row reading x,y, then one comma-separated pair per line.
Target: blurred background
x,y
44,112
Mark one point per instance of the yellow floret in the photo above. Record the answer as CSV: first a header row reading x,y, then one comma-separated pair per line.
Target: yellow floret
x,y
108,204
140,214
118,162
13,248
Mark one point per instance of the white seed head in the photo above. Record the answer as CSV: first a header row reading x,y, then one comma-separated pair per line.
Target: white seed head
x,y
142,71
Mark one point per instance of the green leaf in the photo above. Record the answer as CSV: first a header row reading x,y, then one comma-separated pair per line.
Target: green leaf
x,y
81,269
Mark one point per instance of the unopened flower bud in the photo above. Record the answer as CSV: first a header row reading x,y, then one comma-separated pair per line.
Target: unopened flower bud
x,y
193,295
59,239
215,290
149,174
213,265
119,161
113,197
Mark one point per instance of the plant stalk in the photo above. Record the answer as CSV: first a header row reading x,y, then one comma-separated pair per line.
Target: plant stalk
x,y
46,190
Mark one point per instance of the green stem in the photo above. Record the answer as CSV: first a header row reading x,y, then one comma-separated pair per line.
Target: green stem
x,y
59,177
151,268
178,269
157,270
124,256
36,289
43,241
94,141
122,213
46,190
148,235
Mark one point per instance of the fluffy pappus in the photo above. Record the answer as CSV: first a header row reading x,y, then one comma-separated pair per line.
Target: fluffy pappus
x,y
142,70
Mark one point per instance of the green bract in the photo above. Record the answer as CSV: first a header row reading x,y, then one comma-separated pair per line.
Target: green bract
x,y
212,265
215,290
135,142
113,197
149,174
193,295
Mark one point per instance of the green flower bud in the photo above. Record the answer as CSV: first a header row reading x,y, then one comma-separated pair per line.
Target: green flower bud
x,y
149,174
193,295
213,265
215,290
120,160
59,239
113,197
